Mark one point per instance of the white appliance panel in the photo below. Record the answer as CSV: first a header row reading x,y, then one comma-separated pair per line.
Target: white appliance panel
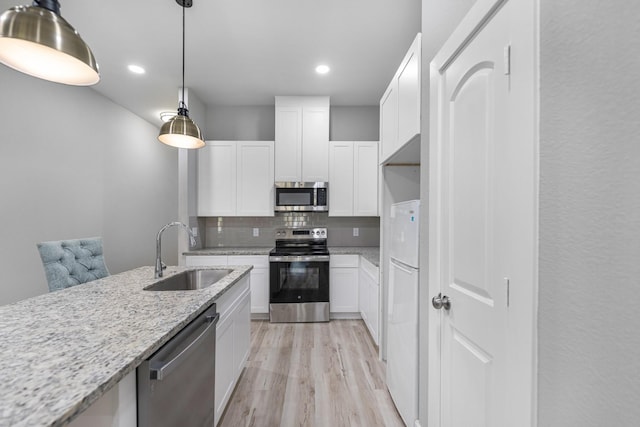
x,y
402,345
405,239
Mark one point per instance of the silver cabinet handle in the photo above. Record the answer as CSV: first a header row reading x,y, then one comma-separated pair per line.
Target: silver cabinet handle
x,y
160,372
441,301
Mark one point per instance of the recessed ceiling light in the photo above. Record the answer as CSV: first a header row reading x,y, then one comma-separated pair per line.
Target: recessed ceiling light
x,y
136,69
322,69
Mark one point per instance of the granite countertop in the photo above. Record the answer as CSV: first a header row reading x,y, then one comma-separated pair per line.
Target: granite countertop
x,y
231,251
63,350
370,253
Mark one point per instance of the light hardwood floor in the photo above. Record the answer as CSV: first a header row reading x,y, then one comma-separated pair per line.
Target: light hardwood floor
x,y
311,374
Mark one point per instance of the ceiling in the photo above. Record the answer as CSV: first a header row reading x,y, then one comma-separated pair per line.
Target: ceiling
x,y
243,52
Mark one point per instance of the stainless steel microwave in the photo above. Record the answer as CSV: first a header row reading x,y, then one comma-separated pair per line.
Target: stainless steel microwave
x,y
302,196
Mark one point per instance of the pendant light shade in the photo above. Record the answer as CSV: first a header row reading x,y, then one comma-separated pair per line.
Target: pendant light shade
x,y
37,41
180,131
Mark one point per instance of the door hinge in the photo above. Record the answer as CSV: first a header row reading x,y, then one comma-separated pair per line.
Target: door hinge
x,y
507,60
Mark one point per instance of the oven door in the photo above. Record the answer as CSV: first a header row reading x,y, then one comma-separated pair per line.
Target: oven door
x,y
299,279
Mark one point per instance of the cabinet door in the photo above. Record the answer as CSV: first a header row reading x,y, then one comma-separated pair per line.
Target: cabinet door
x,y
241,334
255,175
341,178
259,280
343,284
363,295
409,94
217,179
288,144
365,179
373,309
315,144
389,120
225,373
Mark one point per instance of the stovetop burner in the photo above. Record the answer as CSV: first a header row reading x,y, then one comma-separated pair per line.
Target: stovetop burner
x,y
301,241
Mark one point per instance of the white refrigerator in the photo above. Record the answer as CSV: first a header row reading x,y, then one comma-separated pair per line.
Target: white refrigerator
x,y
402,320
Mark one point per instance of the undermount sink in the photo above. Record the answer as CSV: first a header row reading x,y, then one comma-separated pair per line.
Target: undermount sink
x,y
190,280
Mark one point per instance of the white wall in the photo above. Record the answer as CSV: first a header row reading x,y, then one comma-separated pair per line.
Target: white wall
x,y
589,277
74,164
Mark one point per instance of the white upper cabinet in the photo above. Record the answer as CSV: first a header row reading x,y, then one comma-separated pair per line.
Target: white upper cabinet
x,y
288,143
409,94
302,138
365,178
255,178
353,178
341,178
235,178
389,120
217,179
400,104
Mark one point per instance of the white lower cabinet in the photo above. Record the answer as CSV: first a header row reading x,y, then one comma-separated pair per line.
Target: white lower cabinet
x,y
207,261
259,280
343,284
232,341
369,296
259,274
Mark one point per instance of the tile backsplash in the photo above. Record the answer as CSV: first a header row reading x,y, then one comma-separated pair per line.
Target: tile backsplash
x,y
239,231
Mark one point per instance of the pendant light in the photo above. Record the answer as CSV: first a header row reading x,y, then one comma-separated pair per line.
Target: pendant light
x,y
180,131
37,41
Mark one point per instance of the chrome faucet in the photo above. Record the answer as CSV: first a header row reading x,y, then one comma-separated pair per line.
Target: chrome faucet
x,y
159,264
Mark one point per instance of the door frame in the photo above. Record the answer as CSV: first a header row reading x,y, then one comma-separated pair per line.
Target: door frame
x,y
477,17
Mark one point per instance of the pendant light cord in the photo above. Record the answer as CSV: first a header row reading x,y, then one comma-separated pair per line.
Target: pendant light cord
x,y
183,56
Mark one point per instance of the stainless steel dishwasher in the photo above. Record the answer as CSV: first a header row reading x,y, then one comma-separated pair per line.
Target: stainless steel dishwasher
x,y
176,384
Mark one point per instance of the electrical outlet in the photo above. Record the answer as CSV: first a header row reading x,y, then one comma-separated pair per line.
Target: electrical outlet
x,y
356,231
194,231
256,232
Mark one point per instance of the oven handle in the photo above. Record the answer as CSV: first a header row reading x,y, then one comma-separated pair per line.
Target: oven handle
x,y
307,258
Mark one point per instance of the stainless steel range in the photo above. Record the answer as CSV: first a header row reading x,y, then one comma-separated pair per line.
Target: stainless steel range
x,y
299,276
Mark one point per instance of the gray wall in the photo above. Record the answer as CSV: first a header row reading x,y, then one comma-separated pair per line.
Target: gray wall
x,y
73,164
251,123
355,123
589,274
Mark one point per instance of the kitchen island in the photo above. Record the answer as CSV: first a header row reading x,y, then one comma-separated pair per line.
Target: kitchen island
x,y
62,351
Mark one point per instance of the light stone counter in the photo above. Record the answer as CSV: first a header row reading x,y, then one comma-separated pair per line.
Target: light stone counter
x,y
61,351
370,253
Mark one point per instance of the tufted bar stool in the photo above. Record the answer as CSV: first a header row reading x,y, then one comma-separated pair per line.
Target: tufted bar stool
x,y
72,262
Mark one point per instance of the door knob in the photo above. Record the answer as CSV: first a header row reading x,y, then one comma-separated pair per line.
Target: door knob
x,y
441,301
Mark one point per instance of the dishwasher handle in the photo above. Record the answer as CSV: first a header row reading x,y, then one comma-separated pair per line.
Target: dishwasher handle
x,y
160,372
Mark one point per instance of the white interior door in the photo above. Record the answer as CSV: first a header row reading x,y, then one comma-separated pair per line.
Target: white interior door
x,y
484,221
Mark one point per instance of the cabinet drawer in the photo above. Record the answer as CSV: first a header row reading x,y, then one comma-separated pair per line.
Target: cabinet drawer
x,y
349,261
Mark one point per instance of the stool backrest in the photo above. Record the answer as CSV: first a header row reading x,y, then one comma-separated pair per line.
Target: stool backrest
x,y
72,262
